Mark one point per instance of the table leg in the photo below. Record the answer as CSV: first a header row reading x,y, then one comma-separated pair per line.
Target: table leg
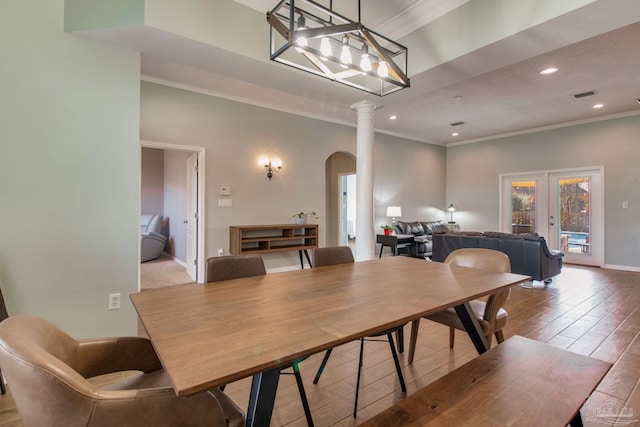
x,y
576,421
262,398
471,325
306,254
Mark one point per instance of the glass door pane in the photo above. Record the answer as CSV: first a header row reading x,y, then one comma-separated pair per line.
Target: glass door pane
x,y
523,206
574,202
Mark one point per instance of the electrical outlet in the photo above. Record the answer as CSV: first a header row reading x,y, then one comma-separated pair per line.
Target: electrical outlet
x,y
114,301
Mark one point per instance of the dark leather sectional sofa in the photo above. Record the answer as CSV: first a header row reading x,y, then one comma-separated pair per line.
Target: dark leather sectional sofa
x,y
422,231
528,253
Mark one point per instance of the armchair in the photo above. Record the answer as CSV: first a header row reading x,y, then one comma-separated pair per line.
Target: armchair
x,y
151,240
48,371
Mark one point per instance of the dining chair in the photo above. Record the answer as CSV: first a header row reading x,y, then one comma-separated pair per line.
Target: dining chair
x,y
3,315
490,314
230,267
342,255
54,381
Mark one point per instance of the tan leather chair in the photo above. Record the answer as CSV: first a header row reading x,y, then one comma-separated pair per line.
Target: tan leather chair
x,y
490,314
223,268
3,315
342,255
47,372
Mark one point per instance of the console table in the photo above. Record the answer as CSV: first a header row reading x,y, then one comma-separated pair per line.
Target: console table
x,y
395,241
261,239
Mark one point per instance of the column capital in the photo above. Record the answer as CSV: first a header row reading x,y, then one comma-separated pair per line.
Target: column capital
x,y
364,103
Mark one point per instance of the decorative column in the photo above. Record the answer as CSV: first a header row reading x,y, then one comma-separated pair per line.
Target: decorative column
x,y
365,244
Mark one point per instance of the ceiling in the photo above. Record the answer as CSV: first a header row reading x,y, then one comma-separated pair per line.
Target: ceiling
x,y
496,90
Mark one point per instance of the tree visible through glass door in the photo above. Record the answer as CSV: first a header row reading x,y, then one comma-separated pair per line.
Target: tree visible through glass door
x,y
523,206
574,202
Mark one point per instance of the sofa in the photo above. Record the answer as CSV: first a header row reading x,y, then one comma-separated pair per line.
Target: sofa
x,y
152,240
528,253
422,232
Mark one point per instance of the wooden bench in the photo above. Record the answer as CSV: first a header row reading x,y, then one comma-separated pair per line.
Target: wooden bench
x,y
520,382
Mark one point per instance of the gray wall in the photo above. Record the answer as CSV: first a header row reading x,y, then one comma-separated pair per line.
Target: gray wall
x,y
236,135
473,170
69,168
152,181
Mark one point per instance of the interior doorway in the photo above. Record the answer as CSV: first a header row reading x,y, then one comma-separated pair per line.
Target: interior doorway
x,y
338,165
566,207
185,170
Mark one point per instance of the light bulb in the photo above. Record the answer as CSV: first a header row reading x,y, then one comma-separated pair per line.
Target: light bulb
x,y
383,71
301,41
345,55
325,47
365,62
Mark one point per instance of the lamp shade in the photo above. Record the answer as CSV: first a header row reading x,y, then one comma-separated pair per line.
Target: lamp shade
x,y
394,211
451,208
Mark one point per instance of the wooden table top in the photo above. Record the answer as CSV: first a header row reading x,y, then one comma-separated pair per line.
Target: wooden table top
x,y
211,334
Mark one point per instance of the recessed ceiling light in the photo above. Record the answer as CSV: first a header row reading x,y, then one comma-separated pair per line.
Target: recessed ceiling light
x,y
393,117
458,98
455,134
598,106
549,70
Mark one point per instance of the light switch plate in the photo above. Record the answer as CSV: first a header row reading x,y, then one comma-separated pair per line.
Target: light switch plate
x,y
225,191
224,203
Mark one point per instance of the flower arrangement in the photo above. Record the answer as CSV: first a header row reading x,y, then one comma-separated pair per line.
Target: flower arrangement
x,y
301,217
387,229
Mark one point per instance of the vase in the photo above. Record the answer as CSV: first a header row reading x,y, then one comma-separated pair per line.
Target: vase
x,y
387,232
301,220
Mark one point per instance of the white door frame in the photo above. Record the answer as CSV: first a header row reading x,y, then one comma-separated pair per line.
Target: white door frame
x,y
341,229
201,198
191,220
542,215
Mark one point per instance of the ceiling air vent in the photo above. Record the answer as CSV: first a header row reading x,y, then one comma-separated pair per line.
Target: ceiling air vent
x,y
456,124
583,94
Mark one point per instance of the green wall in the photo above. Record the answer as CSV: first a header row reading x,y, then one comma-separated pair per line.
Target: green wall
x,y
69,193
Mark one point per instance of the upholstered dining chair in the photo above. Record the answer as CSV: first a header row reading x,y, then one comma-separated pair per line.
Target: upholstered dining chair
x,y
342,255
3,315
48,373
490,314
223,268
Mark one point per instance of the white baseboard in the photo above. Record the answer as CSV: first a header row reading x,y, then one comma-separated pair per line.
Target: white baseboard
x,y
622,267
176,260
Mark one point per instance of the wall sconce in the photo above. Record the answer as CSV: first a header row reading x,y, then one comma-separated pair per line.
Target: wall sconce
x,y
451,210
394,211
271,166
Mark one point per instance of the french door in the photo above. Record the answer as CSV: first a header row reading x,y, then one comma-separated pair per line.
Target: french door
x,y
566,207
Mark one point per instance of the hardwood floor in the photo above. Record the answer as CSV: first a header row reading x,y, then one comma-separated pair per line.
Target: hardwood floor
x,y
587,310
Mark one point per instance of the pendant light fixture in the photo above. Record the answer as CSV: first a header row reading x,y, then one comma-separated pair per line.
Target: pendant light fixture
x,y
320,40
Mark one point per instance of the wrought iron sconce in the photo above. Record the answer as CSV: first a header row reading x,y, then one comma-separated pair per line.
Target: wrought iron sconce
x,y
271,166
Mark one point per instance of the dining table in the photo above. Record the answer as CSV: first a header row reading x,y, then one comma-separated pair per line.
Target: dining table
x,y
210,334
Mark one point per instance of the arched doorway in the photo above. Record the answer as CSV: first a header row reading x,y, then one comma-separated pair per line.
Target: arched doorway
x,y
337,165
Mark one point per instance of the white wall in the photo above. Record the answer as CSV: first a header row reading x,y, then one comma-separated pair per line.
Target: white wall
x,y
69,162
473,170
236,135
